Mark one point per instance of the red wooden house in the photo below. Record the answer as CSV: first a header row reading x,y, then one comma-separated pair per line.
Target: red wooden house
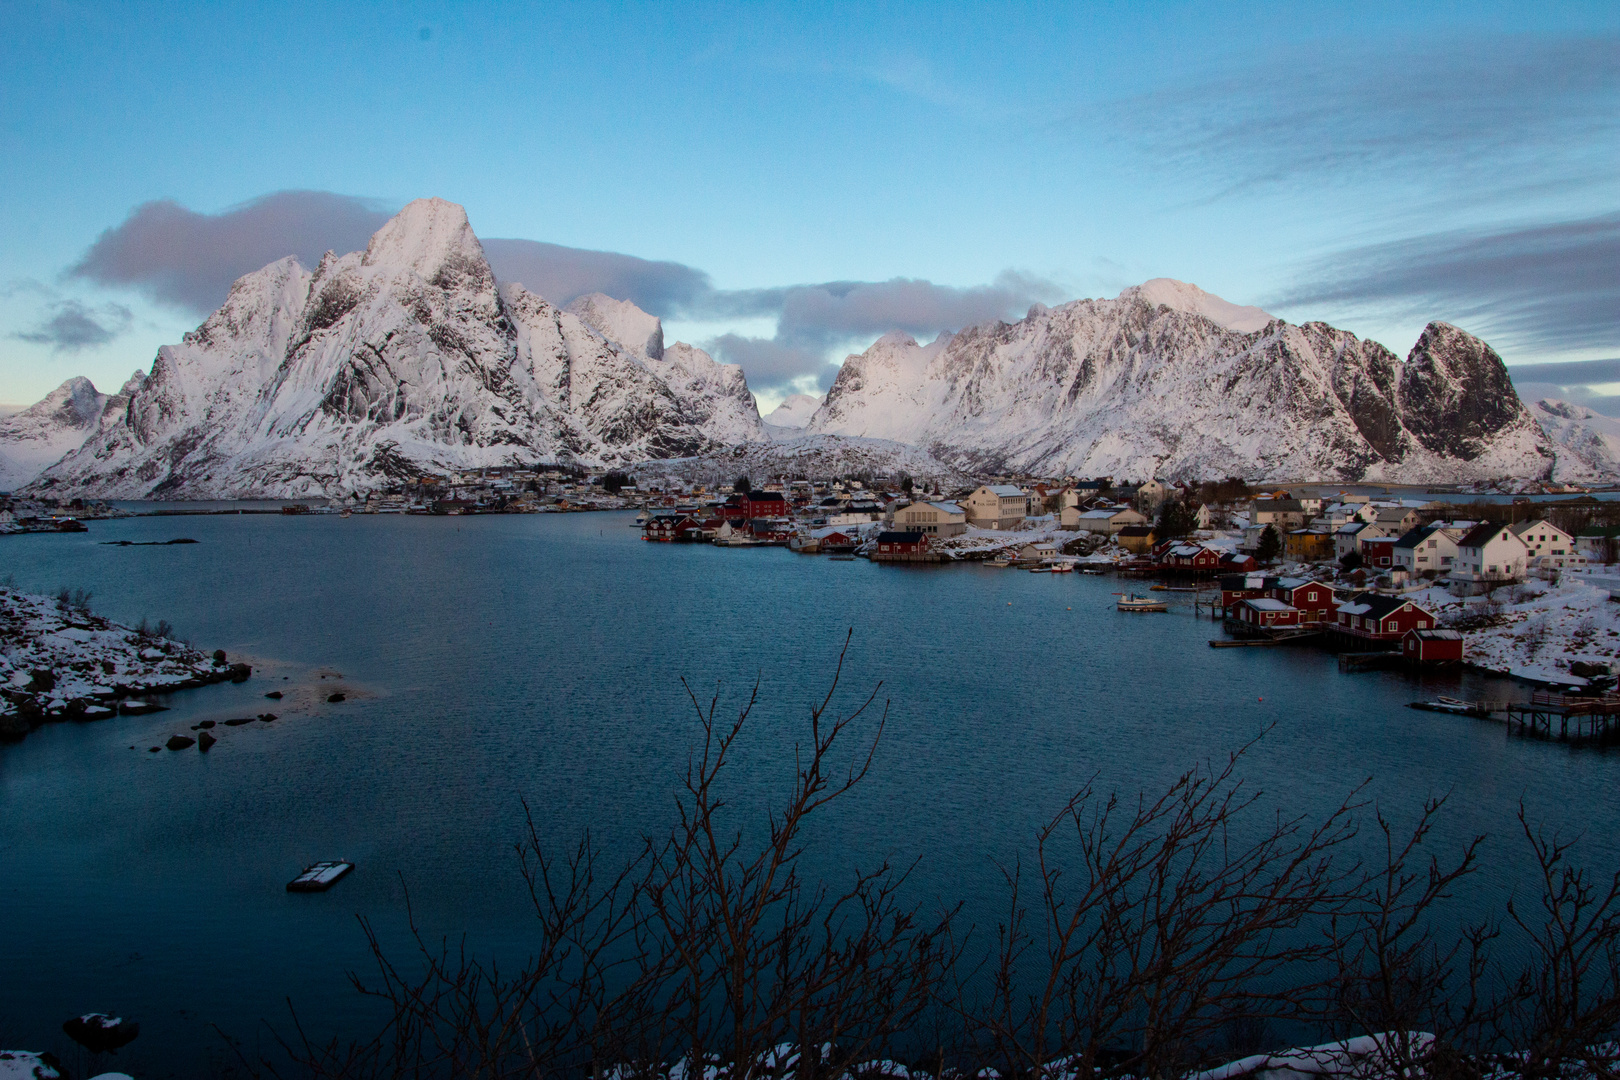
x,y
1235,587
1186,558
1265,613
1379,552
668,527
1375,617
1314,600
900,545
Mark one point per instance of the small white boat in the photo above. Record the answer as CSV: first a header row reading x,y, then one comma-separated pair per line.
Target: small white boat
x,y
320,876
1063,568
999,562
1132,602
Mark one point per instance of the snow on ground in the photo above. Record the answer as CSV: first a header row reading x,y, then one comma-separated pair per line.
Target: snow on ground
x,y
27,1065
1534,630
58,662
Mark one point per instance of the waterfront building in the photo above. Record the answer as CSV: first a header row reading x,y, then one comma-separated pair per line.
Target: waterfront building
x,y
996,506
937,519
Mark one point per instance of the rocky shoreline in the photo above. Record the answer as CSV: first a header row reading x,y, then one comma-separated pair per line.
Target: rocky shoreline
x,y
60,662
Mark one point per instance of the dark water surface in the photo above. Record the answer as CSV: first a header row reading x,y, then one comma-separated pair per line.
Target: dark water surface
x,y
494,659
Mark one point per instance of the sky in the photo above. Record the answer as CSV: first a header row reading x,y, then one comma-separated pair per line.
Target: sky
x,y
784,183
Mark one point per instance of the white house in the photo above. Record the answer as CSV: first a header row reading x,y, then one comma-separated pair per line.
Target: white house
x,y
996,506
1107,521
1547,544
1348,537
1429,550
1490,552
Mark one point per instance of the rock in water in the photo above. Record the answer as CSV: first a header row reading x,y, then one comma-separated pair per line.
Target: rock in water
x,y
100,1033
179,742
205,740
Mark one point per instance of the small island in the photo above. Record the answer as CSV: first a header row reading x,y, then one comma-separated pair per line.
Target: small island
x,y
58,661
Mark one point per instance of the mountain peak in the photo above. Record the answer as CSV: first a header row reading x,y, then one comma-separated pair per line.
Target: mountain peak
x,y
623,322
433,238
1184,296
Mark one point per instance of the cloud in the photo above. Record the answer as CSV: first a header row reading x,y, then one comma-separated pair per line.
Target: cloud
x,y
188,259
1547,287
180,257
73,327
1492,112
1579,381
561,274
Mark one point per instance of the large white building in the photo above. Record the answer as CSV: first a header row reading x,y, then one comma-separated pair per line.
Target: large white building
x,y
996,506
935,519
1490,552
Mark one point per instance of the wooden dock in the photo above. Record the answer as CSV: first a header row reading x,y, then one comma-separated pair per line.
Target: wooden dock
x,y
1566,717
1368,661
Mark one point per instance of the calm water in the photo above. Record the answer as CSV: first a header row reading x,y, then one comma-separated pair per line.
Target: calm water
x,y
489,660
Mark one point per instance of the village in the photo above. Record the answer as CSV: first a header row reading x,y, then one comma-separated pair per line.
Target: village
x,y
1377,580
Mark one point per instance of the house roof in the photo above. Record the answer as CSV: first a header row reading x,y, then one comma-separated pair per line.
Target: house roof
x,y
1376,604
1289,506
1234,582
1481,534
1411,538
1539,523
1134,531
1266,603
899,537
1437,635
946,508
1099,515
1005,490
1350,528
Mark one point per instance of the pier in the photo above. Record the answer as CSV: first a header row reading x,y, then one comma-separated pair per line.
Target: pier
x,y
1566,717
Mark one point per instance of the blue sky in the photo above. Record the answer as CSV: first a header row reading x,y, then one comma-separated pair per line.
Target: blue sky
x,y
805,177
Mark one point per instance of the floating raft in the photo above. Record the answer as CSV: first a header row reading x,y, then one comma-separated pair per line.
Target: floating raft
x,y
319,877
1455,707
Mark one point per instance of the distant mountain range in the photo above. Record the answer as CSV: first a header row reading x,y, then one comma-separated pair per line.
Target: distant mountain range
x,y
410,358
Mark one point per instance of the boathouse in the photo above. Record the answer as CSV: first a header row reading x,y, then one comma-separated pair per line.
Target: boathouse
x,y
1136,539
1264,613
668,527
1235,587
1190,559
1314,600
903,547
1432,647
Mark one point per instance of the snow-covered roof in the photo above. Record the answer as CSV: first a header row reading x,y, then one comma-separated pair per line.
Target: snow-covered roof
x,y
1354,609
1005,490
1266,603
946,508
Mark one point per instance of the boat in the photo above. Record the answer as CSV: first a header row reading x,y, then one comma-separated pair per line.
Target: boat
x,y
1132,602
1040,569
998,562
841,558
1158,588
1453,706
1095,571
1063,568
318,877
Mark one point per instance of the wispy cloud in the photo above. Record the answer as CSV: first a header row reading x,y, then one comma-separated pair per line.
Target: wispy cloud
x,y
189,260
1551,287
70,326
1488,114
1583,382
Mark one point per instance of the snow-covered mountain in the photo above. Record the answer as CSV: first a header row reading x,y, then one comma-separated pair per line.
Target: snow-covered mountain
x,y
1588,443
793,414
37,436
1167,380
408,357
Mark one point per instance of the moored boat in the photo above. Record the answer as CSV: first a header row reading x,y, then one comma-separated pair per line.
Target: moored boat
x,y
1133,602
318,877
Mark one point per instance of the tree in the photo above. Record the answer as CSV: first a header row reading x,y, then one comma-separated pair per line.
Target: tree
x,y
1176,518
614,482
906,484
742,485
1350,561
1270,545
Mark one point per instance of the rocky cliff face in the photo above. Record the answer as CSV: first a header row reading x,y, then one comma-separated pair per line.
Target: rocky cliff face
x,y
40,434
1588,443
1166,380
406,358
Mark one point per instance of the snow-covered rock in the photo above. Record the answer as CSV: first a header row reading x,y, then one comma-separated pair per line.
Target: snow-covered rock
x,y
57,661
404,359
1587,443
35,437
794,412
28,1065
1168,381
809,457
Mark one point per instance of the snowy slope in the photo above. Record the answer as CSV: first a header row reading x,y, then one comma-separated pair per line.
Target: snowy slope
x,y
1135,387
37,436
406,358
810,457
1587,443
788,420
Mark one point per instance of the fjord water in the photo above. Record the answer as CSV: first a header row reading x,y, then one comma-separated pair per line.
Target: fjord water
x,y
490,661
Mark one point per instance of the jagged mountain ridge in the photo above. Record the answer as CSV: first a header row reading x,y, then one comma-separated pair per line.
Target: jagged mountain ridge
x,y
1588,442
33,438
1136,386
406,358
